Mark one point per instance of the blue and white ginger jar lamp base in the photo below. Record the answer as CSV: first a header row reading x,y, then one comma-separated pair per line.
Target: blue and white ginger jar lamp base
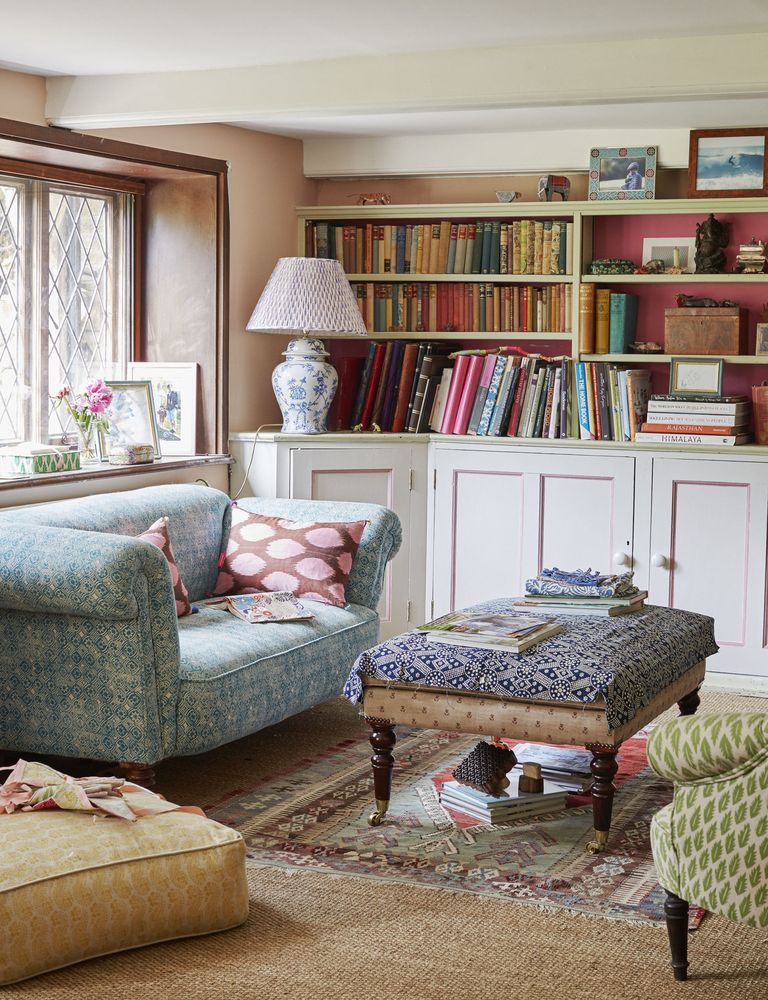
x,y
305,385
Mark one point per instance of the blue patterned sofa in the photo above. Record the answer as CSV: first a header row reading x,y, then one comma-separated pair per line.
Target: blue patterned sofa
x,y
95,664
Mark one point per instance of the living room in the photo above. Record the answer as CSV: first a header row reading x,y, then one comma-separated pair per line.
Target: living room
x,y
468,217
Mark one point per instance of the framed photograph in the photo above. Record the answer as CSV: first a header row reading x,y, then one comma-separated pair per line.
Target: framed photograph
x,y
696,376
727,162
174,389
622,173
663,248
761,339
131,418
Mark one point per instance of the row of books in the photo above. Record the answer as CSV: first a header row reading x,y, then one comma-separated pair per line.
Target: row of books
x,y
697,420
476,307
607,320
408,387
525,246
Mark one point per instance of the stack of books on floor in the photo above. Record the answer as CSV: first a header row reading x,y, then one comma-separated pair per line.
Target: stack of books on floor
x,y
697,420
490,630
582,592
565,772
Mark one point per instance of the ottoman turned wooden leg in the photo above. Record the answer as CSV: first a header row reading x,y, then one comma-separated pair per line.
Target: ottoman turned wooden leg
x,y
604,767
139,774
382,740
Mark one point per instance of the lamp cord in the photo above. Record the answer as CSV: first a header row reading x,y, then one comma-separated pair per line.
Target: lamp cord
x,y
253,452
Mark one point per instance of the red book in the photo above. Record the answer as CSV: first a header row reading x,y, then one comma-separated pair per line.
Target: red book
x,y
467,400
404,391
514,417
596,390
454,393
340,415
719,429
373,384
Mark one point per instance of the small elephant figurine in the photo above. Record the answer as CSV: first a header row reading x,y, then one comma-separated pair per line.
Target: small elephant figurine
x,y
551,184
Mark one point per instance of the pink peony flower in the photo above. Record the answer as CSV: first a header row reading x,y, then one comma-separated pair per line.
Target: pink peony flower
x,y
99,396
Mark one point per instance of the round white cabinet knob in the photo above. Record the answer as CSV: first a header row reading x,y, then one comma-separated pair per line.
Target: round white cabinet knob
x,y
657,559
620,559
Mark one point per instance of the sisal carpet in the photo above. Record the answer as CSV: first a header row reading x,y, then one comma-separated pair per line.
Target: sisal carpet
x,y
324,936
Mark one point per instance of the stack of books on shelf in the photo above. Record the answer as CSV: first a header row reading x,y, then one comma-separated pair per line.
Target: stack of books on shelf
x,y
502,630
582,592
484,246
607,320
697,420
612,401
470,307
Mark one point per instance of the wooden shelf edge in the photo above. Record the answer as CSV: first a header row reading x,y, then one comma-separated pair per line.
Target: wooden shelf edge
x,y
663,359
669,279
398,277
453,335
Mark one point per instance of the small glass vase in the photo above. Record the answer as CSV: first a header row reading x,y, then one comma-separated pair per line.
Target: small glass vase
x,y
87,446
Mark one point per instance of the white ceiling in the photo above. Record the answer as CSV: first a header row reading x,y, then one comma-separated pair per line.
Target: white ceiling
x,y
85,37
213,62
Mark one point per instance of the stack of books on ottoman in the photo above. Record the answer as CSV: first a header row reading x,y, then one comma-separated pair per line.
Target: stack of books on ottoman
x,y
500,630
696,420
564,771
582,592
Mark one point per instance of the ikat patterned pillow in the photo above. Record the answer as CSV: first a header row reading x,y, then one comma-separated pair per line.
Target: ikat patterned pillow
x,y
311,559
158,535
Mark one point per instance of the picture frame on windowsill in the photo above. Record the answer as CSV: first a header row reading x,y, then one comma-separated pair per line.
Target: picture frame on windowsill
x,y
696,376
622,173
728,163
131,418
174,390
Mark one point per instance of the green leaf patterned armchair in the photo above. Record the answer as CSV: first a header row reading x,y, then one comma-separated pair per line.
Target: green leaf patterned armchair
x,y
710,844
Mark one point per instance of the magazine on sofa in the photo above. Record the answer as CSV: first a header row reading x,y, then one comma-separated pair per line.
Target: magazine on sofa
x,y
277,606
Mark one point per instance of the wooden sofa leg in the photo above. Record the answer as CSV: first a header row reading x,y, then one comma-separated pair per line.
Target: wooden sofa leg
x,y
139,774
676,913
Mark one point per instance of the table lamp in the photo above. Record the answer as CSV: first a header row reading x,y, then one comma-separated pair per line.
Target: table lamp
x,y
306,295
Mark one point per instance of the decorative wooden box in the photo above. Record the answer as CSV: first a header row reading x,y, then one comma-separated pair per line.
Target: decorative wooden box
x,y
713,330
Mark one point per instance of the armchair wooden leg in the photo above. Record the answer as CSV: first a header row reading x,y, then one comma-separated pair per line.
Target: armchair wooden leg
x,y
676,913
139,774
382,740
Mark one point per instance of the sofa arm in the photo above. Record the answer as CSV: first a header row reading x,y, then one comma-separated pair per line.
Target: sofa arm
x,y
89,646
68,572
706,746
380,542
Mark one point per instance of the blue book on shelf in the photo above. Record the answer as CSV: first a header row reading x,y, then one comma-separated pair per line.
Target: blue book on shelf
x,y
490,399
623,321
581,399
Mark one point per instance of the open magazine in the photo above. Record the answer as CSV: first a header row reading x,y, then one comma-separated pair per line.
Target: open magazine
x,y
491,630
274,606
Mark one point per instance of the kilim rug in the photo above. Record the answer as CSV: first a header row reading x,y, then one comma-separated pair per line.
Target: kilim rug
x,y
314,816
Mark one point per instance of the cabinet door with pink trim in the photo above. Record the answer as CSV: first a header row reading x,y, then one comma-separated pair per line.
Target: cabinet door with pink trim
x,y
708,552
501,515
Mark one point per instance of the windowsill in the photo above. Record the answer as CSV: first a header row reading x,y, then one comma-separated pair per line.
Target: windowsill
x,y
104,469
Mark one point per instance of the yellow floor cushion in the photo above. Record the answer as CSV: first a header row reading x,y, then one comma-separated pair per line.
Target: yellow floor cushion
x,y
73,886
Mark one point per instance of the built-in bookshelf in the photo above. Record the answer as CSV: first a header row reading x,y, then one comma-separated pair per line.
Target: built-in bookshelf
x,y
455,276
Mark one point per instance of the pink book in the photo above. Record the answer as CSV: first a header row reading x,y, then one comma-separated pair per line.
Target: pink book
x,y
467,401
454,393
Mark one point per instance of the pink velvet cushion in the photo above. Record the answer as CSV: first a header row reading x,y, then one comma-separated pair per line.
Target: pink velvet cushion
x,y
158,535
311,559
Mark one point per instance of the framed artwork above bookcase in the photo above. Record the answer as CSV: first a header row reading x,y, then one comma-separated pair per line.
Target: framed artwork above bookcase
x,y
438,301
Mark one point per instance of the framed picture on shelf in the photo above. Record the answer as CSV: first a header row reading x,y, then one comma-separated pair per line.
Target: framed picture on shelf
x,y
174,390
622,173
663,248
131,418
696,376
761,339
727,163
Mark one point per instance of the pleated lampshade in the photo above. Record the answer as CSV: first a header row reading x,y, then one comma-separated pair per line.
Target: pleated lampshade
x,y
307,294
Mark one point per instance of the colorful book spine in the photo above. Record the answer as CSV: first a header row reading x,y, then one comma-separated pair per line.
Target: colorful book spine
x,y
585,432
602,320
471,382
491,396
586,319
486,374
454,394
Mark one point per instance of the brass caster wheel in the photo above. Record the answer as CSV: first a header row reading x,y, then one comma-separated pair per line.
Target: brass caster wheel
x,y
375,819
598,844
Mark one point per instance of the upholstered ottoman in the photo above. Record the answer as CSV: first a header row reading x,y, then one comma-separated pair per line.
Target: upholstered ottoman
x,y
73,887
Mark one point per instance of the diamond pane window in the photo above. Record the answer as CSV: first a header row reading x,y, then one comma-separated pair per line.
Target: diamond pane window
x,y
65,297
12,347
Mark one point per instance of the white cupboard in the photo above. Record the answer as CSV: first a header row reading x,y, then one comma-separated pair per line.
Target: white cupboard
x,y
479,516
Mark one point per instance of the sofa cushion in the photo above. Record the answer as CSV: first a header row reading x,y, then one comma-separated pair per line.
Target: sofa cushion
x,y
237,678
158,535
199,517
113,884
310,559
